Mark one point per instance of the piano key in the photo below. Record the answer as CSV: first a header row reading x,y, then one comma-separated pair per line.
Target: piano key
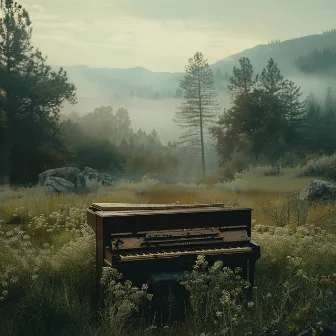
x,y
177,253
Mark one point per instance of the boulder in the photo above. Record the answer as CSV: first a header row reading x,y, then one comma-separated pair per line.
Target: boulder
x,y
103,178
70,174
59,185
318,190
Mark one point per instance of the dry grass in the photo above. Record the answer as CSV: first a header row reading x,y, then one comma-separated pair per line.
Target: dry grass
x,y
256,193
46,270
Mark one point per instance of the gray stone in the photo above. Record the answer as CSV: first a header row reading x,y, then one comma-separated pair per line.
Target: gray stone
x,y
59,185
103,178
70,174
318,190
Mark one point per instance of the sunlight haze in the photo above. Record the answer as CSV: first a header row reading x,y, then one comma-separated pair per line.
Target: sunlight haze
x,y
161,35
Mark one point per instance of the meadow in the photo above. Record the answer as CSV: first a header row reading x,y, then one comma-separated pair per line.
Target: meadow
x,y
47,263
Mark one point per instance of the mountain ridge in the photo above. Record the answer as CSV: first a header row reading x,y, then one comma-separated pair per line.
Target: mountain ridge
x,y
110,84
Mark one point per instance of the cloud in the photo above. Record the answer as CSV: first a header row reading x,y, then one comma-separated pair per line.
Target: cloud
x,y
162,34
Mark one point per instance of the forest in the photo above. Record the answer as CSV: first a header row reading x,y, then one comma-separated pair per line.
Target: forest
x,y
269,120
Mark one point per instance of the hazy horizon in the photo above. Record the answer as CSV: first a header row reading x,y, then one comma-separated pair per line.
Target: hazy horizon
x,y
161,36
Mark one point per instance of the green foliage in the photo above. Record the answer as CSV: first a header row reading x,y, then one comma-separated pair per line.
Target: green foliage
x,y
33,95
106,141
270,122
242,81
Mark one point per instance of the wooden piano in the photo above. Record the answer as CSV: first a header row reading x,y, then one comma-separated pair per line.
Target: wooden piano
x,y
152,243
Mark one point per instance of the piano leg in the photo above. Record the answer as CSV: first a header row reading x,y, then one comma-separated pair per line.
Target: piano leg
x,y
251,273
252,263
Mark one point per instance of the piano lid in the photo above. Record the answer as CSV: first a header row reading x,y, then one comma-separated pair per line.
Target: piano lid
x,y
168,211
130,206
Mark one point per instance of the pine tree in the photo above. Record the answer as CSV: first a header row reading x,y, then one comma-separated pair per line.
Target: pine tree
x,y
294,111
240,128
33,95
242,81
271,88
200,107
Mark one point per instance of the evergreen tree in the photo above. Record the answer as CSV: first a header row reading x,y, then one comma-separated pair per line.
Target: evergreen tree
x,y
312,125
239,128
199,110
271,88
242,81
294,111
33,97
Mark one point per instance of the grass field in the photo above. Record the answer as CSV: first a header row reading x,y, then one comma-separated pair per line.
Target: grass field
x,y
47,263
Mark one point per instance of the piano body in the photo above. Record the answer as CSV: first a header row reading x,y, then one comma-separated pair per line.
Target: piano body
x,y
152,243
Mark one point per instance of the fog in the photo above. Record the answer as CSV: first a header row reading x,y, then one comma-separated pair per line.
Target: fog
x,y
150,114
317,84
144,113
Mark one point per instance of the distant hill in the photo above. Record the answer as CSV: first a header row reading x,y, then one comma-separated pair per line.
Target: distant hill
x,y
97,86
285,53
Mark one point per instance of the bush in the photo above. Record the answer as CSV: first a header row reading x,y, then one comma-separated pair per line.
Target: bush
x,y
324,166
239,162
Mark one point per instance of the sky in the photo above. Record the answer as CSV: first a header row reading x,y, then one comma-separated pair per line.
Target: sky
x,y
161,35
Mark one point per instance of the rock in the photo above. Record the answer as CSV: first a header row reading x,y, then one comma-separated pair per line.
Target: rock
x,y
56,184
318,191
103,178
70,174
88,171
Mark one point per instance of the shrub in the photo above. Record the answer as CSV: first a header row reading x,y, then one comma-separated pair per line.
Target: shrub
x,y
123,302
227,173
324,166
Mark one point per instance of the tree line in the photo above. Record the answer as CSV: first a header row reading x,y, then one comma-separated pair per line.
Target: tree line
x,y
34,136
269,121
317,61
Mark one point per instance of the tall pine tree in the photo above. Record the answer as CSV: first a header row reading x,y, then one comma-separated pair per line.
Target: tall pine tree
x,y
271,88
199,110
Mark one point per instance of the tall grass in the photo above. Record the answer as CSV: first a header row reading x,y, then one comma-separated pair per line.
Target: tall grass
x,y
47,265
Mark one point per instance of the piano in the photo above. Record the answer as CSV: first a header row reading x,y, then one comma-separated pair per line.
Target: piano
x,y
156,243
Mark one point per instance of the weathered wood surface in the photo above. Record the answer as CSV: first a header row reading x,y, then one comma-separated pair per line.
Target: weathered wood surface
x,y
130,206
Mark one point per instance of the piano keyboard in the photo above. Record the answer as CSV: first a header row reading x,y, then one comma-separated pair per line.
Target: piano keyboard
x,y
169,254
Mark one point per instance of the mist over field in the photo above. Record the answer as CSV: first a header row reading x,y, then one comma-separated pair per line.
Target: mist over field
x,y
149,114
146,114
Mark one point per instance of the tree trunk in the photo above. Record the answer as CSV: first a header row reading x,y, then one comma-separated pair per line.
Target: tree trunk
x,y
201,125
5,161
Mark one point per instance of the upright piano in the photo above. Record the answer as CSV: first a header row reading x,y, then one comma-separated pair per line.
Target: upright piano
x,y
154,243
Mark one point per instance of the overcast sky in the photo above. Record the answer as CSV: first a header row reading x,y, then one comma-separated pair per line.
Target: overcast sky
x,y
162,34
